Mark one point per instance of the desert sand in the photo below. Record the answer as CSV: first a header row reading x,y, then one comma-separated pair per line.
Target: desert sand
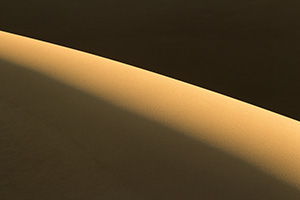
x,y
76,125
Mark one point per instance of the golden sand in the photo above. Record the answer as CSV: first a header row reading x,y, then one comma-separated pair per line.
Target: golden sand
x,y
262,138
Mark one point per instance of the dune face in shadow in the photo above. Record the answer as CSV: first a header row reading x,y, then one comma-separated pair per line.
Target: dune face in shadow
x,y
61,143
244,49
265,139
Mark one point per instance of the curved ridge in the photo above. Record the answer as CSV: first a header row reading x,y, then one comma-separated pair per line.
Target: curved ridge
x,y
263,138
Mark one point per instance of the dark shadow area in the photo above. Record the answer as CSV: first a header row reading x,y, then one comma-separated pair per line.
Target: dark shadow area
x,y
248,49
57,142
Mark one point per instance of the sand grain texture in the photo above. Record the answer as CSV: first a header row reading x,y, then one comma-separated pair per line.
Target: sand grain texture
x,y
76,125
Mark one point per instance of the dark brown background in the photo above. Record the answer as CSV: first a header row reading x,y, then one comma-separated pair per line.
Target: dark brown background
x,y
57,142
245,49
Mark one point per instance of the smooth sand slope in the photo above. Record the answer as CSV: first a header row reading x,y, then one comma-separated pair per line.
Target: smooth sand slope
x,y
79,126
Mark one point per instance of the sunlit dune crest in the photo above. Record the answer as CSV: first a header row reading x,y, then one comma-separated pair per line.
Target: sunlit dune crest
x,y
263,138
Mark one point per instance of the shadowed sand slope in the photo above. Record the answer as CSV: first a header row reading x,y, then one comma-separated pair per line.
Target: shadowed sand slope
x,y
60,143
244,49
126,133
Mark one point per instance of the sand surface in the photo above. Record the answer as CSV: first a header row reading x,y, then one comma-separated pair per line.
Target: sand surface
x,y
79,126
238,48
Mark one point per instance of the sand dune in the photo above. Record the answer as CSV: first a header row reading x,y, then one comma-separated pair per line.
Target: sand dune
x,y
76,125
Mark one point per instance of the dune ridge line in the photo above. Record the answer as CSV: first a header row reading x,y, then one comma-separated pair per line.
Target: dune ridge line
x,y
261,137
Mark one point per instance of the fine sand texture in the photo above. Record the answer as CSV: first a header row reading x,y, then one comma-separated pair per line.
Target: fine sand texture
x,y
78,126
